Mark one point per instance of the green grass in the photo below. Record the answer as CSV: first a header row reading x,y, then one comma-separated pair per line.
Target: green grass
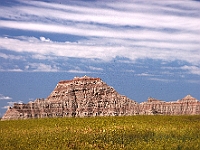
x,y
134,132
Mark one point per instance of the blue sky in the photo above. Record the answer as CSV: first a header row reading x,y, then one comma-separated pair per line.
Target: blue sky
x,y
141,48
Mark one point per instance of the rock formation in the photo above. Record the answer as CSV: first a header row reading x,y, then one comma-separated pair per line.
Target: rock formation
x,y
186,106
86,96
80,97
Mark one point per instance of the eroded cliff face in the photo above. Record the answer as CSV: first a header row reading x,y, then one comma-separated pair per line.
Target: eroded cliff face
x,y
80,97
86,96
186,106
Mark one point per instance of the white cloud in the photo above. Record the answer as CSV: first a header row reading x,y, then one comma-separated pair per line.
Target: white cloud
x,y
193,81
77,69
110,13
43,57
135,30
105,32
5,107
43,39
10,104
12,57
14,68
77,19
130,71
2,97
145,74
95,68
11,70
161,80
192,69
102,51
40,67
59,49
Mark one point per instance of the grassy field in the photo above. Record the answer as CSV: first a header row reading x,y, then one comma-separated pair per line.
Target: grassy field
x,y
134,132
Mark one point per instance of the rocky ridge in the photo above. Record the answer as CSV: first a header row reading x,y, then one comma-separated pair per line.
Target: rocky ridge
x,y
87,96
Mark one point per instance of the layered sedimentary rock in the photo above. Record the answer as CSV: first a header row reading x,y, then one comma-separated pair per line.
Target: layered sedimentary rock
x,y
86,96
186,106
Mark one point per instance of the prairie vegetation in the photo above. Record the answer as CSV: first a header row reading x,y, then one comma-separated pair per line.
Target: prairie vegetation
x,y
132,132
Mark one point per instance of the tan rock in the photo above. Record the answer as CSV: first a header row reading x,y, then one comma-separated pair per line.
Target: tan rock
x,y
86,96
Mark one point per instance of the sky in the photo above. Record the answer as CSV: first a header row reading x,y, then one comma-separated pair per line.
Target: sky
x,y
141,48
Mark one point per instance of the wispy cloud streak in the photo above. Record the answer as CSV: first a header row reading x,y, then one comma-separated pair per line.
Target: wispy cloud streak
x,y
136,30
2,97
104,51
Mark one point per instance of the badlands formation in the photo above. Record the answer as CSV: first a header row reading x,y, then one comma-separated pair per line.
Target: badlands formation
x,y
87,96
